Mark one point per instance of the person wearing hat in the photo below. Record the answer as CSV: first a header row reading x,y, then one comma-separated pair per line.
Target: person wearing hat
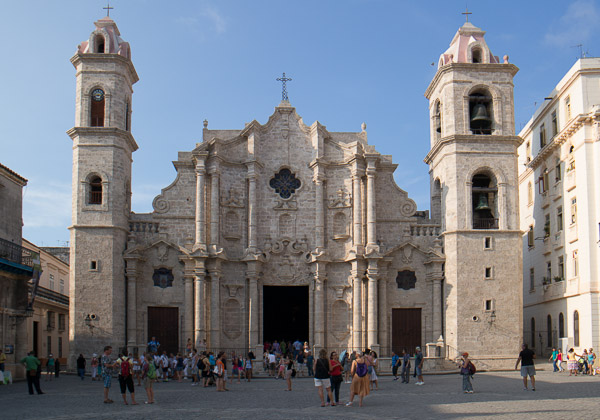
x,y
466,373
419,366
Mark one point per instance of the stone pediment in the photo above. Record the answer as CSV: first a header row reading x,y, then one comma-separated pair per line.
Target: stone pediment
x,y
163,249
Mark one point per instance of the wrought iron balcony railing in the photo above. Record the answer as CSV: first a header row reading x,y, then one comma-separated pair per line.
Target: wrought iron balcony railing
x,y
485,223
15,253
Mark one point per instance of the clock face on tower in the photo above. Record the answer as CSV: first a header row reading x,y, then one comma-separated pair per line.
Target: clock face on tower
x,y
98,95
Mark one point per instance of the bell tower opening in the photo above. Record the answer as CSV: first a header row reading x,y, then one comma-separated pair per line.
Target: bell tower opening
x,y
480,112
484,192
285,313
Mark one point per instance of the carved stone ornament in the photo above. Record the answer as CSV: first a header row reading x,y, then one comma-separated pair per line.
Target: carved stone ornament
x,y
406,279
406,255
160,205
339,291
162,252
408,208
234,198
163,277
342,199
232,289
290,204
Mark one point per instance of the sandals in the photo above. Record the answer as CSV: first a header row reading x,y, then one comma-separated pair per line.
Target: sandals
x,y
349,403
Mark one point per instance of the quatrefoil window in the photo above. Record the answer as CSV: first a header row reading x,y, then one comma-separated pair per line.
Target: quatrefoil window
x,y
285,183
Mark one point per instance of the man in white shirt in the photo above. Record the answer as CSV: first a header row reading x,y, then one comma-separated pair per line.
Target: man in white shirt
x,y
272,361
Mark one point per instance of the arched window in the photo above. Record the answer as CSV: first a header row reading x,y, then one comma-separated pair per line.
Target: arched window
x,y
437,118
576,329
95,190
127,116
532,338
484,193
480,112
97,108
561,325
99,41
549,332
476,54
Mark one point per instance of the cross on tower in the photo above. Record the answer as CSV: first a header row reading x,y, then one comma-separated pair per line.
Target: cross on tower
x,y
284,80
108,8
466,13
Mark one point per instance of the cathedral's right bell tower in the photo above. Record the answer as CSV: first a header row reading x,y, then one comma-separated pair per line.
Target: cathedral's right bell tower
x,y
474,190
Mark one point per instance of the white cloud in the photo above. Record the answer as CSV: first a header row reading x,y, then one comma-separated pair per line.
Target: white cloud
x,y
209,18
47,205
575,26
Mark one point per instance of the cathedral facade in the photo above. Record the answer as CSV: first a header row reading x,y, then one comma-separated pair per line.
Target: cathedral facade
x,y
285,230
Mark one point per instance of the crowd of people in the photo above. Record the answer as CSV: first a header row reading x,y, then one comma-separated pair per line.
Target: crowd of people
x,y
281,360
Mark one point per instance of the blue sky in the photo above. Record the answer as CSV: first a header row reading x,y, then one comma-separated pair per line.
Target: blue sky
x,y
351,61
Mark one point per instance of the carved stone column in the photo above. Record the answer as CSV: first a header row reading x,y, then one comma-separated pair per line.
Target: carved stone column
x,y
371,216
319,212
468,206
383,310
437,307
188,307
252,213
200,216
215,309
372,305
214,207
131,274
319,312
253,308
356,305
199,304
502,207
356,206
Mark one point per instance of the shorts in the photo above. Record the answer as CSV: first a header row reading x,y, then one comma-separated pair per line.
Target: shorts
x,y
107,379
527,371
323,382
272,366
179,368
419,371
288,373
148,383
126,383
205,374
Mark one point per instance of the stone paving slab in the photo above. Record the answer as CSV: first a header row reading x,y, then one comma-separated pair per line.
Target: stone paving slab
x,y
497,395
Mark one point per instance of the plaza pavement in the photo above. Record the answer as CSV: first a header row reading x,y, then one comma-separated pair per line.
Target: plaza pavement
x,y
498,395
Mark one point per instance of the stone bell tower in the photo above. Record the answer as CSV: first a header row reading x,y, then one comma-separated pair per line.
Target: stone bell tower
x,y
101,188
474,190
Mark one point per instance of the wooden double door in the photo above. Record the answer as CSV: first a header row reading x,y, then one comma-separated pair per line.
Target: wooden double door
x,y
163,323
406,329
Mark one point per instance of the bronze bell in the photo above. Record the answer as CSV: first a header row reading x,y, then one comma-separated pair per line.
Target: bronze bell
x,y
480,116
483,203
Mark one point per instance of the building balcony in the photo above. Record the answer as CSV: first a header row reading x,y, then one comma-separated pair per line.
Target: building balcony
x,y
547,245
572,233
555,290
557,241
15,258
485,223
545,199
571,180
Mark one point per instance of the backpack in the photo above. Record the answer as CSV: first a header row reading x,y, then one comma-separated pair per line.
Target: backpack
x,y
200,364
125,366
471,368
361,369
151,371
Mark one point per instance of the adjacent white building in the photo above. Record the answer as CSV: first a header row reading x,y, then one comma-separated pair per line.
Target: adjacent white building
x,y
560,214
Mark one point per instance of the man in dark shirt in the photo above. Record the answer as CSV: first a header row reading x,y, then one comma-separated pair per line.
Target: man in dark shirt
x,y
527,368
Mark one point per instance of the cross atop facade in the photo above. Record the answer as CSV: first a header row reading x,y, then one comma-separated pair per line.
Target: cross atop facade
x,y
284,80
108,9
466,13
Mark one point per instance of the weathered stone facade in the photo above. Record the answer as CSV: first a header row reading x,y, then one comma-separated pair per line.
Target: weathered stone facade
x,y
286,204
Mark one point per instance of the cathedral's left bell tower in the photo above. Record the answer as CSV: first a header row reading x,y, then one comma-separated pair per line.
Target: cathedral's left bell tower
x,y
102,155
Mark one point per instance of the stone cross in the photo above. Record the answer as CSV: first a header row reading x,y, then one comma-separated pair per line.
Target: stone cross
x,y
284,80
108,9
466,13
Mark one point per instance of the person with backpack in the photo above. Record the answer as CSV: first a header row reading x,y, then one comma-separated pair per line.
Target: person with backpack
x,y
466,370
148,377
360,379
125,369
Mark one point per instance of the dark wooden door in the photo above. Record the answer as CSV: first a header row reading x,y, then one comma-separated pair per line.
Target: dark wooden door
x,y
36,326
163,323
406,329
